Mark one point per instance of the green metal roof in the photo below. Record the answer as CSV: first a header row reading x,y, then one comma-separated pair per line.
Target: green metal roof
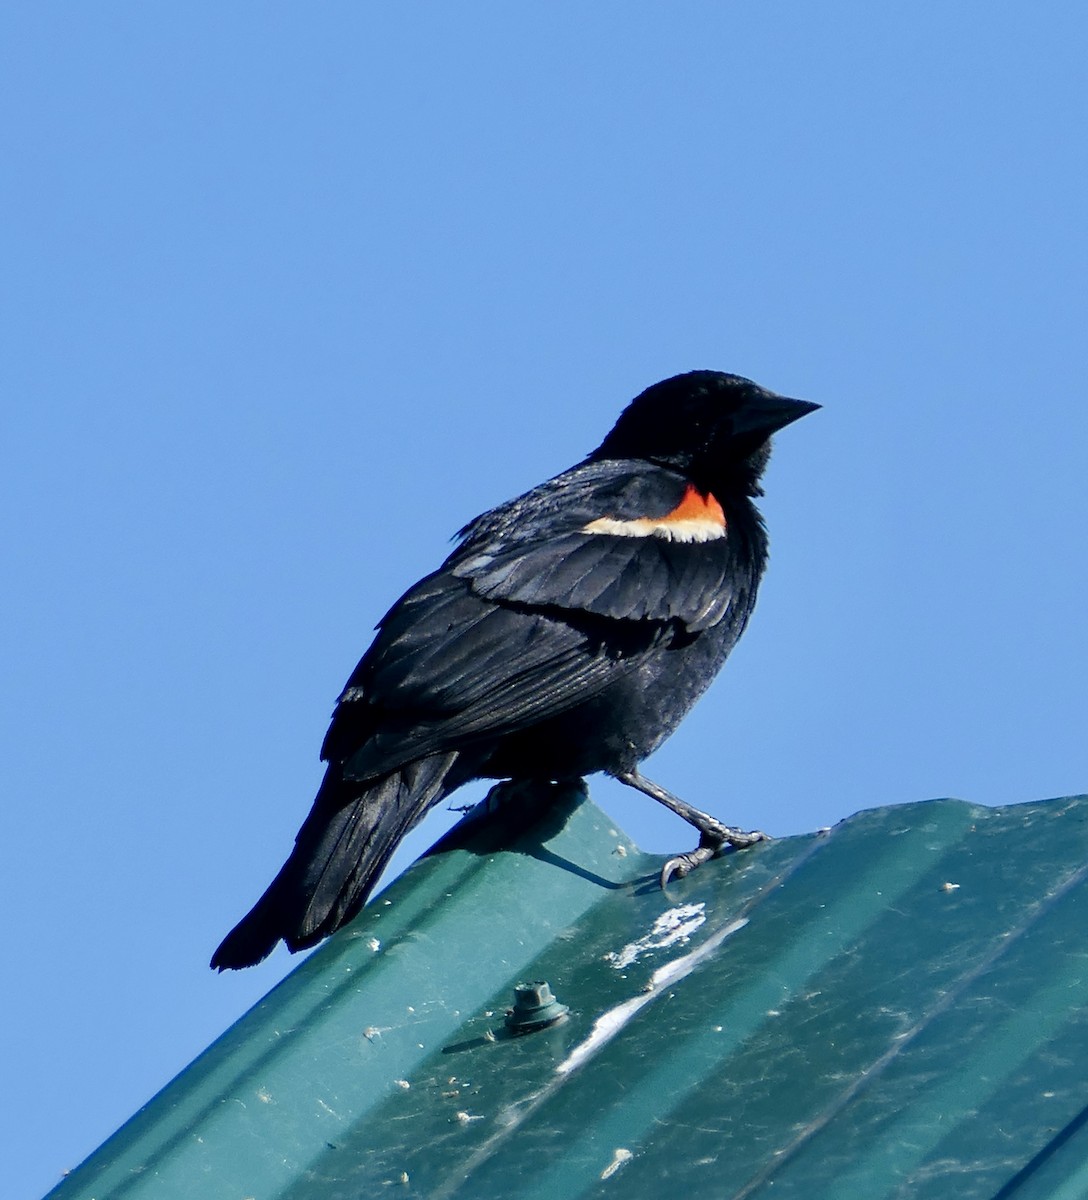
x,y
895,1008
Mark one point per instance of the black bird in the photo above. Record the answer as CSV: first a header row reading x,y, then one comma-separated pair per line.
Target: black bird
x,y
569,632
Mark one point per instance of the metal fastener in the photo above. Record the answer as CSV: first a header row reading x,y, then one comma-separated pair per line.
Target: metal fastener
x,y
534,1008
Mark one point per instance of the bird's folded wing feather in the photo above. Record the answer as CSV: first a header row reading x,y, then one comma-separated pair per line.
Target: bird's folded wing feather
x,y
448,667
527,619
609,540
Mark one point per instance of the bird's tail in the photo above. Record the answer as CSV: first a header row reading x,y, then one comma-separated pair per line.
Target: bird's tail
x,y
341,850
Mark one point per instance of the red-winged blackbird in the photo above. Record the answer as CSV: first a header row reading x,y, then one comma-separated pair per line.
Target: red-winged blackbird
x,y
568,633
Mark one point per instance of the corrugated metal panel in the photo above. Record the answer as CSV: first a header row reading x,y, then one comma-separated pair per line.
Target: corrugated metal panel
x,y
893,1009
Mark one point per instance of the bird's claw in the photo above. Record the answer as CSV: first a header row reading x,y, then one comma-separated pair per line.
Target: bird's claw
x,y
684,864
710,845
741,839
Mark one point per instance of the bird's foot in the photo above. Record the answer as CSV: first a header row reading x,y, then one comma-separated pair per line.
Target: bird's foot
x,y
506,792
713,835
498,797
713,840
519,793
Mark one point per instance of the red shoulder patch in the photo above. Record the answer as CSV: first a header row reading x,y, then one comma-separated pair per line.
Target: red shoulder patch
x,y
695,506
697,518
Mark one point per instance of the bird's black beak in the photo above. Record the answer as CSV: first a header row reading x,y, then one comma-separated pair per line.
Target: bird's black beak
x,y
772,414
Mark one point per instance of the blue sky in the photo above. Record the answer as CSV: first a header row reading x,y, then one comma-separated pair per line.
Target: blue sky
x,y
290,292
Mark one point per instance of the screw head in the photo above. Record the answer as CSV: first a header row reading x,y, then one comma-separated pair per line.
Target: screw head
x,y
534,1008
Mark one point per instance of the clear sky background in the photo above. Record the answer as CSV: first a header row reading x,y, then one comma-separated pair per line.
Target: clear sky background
x,y
290,292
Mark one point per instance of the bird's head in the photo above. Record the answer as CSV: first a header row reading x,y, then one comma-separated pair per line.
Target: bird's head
x,y
713,427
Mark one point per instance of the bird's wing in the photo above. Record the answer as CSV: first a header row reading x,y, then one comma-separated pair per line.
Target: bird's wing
x,y
611,538
546,602
449,667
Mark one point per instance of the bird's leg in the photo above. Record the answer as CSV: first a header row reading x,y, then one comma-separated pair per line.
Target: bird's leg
x,y
713,835
498,796
518,792
505,792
